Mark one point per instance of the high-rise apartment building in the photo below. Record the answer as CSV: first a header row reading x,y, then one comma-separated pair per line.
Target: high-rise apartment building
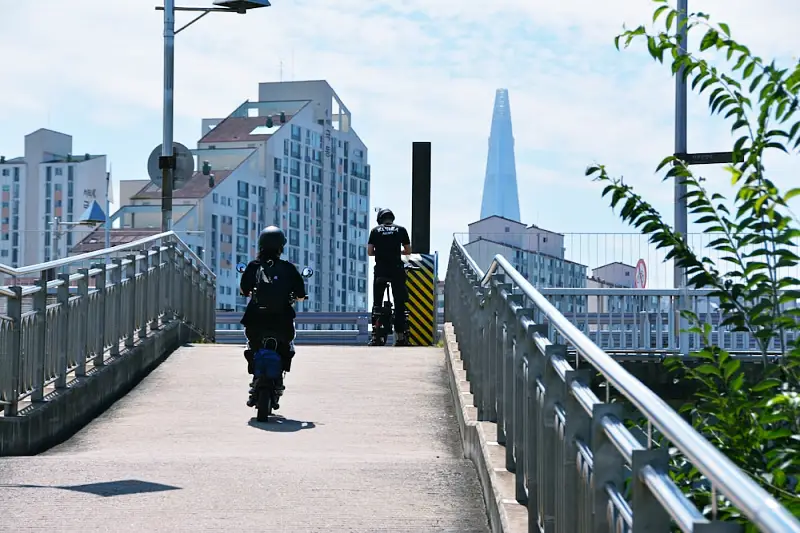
x,y
291,159
48,185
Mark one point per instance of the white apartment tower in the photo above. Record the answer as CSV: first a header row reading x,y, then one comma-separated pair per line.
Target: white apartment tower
x,y
291,159
316,181
48,183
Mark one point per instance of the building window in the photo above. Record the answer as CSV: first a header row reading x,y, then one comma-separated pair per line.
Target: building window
x,y
244,189
59,171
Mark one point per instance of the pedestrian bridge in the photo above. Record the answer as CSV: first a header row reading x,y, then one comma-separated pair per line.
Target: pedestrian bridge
x,y
121,413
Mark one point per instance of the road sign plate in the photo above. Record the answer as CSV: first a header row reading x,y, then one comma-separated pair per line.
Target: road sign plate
x,y
640,276
707,158
184,166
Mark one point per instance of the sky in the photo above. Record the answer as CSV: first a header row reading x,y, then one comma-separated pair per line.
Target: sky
x,y
409,70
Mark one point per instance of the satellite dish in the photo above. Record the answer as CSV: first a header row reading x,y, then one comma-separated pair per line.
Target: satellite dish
x,y
184,166
307,272
241,267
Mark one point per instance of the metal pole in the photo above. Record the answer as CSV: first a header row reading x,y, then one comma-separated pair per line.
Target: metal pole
x,y
167,161
681,221
108,215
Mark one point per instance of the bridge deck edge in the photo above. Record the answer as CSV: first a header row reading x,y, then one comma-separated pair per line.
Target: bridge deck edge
x,y
506,515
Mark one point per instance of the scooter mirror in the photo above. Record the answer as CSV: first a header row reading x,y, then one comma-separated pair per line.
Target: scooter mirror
x,y
240,267
307,272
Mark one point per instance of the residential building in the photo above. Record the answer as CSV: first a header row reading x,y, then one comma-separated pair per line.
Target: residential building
x,y
46,186
291,159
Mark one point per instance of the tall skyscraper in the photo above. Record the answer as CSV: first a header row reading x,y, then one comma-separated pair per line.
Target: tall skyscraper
x,y
500,196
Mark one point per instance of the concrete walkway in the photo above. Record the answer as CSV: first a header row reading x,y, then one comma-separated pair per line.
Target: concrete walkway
x,y
369,443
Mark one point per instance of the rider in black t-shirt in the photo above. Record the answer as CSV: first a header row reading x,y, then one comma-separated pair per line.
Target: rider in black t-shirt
x,y
385,244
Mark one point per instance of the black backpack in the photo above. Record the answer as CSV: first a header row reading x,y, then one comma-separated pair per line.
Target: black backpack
x,y
272,290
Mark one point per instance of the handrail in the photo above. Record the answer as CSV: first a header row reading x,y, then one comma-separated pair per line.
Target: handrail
x,y
57,263
756,503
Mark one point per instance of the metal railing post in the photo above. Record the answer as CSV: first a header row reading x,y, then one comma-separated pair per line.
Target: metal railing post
x,y
118,326
102,298
39,343
160,294
143,292
130,323
83,330
15,350
65,333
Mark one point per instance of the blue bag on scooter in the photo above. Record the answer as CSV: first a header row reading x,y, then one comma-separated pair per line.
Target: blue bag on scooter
x,y
267,364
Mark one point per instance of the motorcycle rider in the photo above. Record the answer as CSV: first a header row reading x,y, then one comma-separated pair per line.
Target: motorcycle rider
x,y
270,312
385,242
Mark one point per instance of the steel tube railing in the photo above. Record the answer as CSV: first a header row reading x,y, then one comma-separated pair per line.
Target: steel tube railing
x,y
49,334
577,453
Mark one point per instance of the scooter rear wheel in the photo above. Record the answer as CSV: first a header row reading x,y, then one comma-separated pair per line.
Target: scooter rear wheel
x,y
264,405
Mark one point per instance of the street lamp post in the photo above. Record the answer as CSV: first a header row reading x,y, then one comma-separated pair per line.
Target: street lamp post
x,y
681,206
167,161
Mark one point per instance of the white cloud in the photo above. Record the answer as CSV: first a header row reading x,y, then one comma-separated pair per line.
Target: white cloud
x,y
410,70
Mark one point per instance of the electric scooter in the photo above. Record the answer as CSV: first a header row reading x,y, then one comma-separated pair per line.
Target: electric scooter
x,y
382,315
268,371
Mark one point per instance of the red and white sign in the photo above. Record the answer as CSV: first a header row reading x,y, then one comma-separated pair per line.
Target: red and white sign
x,y
640,276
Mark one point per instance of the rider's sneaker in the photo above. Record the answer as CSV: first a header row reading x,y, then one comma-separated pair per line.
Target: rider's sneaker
x,y
251,399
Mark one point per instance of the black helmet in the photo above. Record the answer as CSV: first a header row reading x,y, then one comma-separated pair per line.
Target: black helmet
x,y
385,216
271,241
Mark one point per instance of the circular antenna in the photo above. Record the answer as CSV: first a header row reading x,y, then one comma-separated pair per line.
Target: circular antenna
x,y
184,166
240,267
307,272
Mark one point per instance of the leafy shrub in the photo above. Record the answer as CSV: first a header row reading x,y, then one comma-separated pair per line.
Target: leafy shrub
x,y
750,412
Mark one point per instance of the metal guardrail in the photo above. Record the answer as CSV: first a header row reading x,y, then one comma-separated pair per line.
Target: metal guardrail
x,y
43,343
358,334
570,452
649,319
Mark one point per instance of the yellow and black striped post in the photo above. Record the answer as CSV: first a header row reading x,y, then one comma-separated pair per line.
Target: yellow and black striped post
x,y
421,304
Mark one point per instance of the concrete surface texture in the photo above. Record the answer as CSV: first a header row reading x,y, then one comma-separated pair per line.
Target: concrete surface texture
x,y
369,443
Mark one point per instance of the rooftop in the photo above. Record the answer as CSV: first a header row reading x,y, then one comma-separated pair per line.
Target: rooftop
x,y
13,161
532,252
196,187
243,129
532,226
70,158
614,263
117,237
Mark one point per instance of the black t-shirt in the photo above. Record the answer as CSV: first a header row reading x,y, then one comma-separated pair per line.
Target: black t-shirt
x,y
388,240
286,272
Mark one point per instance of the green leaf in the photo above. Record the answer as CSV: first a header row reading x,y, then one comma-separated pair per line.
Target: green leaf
x,y
769,383
709,39
708,370
725,28
658,12
670,19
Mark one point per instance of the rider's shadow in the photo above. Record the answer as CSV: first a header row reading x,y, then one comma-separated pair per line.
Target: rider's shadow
x,y
279,424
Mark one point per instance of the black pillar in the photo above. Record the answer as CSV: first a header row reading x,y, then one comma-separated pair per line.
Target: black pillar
x,y
421,198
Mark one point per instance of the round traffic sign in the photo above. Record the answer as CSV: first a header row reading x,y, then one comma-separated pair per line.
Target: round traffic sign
x,y
184,166
640,276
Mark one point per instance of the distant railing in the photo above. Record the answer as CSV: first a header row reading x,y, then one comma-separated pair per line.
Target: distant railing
x,y
357,332
571,453
648,320
45,341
